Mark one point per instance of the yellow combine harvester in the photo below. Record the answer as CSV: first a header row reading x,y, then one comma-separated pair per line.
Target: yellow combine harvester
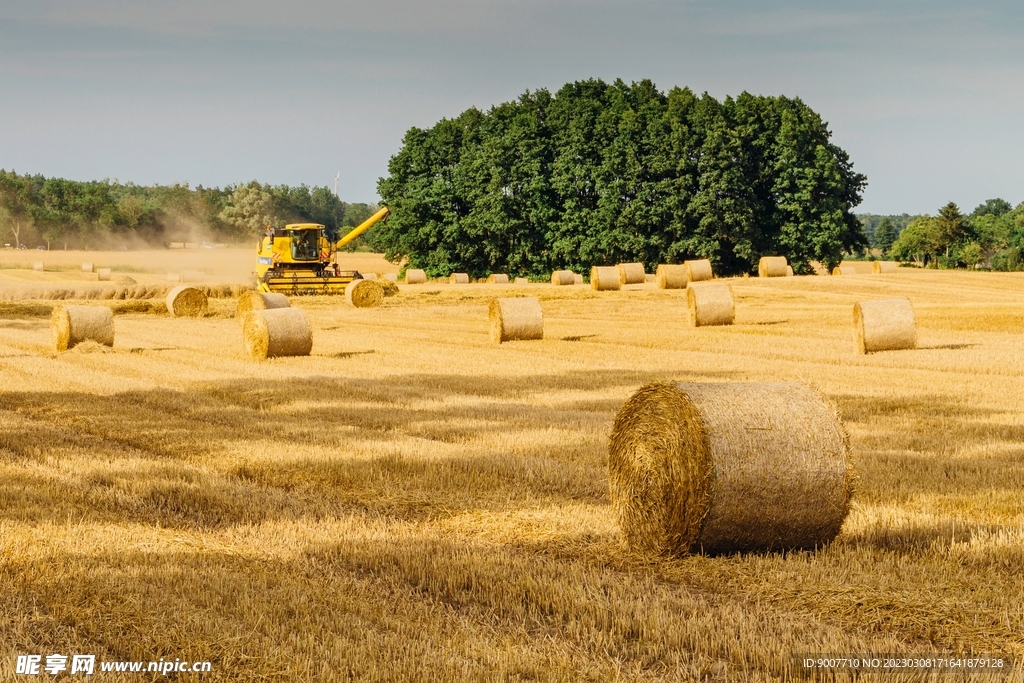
x,y
299,259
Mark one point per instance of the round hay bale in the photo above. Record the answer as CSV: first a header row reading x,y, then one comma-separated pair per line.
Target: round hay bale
x,y
698,270
184,301
388,287
364,293
370,276
650,277
415,276
38,265
522,281
516,319
789,271
103,274
458,279
497,279
560,278
879,267
126,280
605,278
276,332
577,278
671,276
844,270
86,267
390,277
719,468
252,300
710,305
71,325
885,325
631,273
772,266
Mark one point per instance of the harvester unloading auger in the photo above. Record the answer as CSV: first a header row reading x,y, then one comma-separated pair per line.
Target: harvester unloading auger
x,y
299,259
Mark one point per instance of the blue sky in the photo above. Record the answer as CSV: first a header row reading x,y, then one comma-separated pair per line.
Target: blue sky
x,y
925,96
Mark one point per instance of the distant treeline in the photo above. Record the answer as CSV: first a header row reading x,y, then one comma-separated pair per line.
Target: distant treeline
x,y
605,173
991,236
59,213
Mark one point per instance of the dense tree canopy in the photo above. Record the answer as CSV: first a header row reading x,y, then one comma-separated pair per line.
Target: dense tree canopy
x,y
603,173
992,236
53,211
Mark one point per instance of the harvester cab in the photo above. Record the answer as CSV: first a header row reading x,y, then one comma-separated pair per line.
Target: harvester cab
x,y
300,259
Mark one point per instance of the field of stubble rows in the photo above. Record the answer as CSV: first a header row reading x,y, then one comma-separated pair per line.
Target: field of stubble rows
x,y
412,502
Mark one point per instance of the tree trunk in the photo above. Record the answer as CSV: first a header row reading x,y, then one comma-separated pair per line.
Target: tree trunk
x,y
16,229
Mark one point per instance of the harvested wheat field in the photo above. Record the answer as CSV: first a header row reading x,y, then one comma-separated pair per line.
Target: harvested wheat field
x,y
414,502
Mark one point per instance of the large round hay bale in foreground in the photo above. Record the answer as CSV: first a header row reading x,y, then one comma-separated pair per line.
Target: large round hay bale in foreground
x,y
364,293
879,267
388,287
458,279
185,301
671,276
710,305
561,278
516,319
497,279
719,468
772,266
103,274
252,300
605,279
71,325
631,273
884,325
698,270
277,332
415,276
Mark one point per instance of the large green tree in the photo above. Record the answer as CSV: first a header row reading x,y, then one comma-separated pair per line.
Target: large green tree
x,y
600,173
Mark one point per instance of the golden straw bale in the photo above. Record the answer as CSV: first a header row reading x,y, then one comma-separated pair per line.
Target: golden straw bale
x,y
364,293
515,319
103,274
789,271
772,266
388,287
577,278
185,301
710,305
71,325
884,325
561,278
522,281
390,277
605,278
844,270
650,277
259,301
458,279
671,276
87,267
370,276
497,279
631,273
698,270
415,276
38,265
879,267
719,468
277,332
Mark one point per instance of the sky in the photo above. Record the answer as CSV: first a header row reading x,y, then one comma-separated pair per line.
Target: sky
x,y
925,96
